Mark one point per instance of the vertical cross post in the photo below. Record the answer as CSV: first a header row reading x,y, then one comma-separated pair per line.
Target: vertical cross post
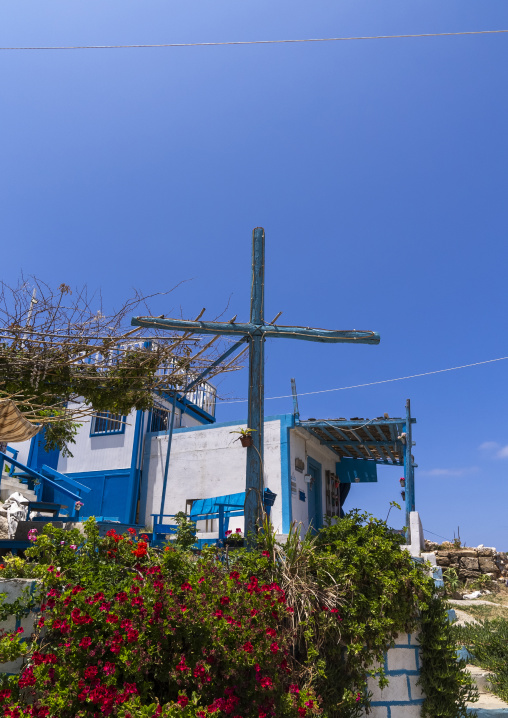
x,y
254,475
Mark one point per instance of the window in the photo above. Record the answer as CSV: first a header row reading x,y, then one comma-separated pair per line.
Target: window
x,y
160,419
104,423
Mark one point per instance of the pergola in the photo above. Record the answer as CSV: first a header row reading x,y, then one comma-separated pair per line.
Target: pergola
x,y
362,444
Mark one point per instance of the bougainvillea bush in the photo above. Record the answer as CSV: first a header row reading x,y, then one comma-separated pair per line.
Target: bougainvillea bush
x,y
127,631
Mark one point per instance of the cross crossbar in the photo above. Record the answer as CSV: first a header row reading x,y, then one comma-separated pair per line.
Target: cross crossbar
x,y
266,330
255,332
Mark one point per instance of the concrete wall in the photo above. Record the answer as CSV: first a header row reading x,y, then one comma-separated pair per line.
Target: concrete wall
x,y
13,588
23,447
100,453
402,698
303,445
204,463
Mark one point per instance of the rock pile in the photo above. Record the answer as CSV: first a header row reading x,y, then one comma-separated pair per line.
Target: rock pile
x,y
471,563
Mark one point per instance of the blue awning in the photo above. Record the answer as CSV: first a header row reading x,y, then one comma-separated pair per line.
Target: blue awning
x,y
233,506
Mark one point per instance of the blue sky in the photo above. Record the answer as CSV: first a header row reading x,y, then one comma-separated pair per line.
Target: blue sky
x,y
378,169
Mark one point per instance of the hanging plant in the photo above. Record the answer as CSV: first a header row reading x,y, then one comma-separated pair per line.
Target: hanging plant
x,y
245,437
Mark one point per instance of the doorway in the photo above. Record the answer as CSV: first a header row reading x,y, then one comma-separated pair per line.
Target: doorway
x,y
314,492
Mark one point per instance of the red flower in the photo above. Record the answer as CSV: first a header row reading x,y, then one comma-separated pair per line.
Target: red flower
x,y
266,682
271,632
91,672
228,533
182,701
112,618
253,611
274,647
201,579
302,711
248,647
310,704
121,597
5,694
217,613
27,679
225,600
266,554
132,531
132,635
186,586
293,688
234,575
238,531
85,642
182,666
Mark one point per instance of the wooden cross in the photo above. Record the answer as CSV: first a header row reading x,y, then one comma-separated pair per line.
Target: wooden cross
x,y
255,332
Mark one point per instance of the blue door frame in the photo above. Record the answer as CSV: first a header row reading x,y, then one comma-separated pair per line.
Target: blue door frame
x,y
314,492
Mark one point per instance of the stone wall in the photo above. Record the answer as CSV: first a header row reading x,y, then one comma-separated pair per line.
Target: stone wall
x,y
471,563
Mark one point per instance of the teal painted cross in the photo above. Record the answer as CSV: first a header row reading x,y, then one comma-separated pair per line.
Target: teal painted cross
x,y
255,332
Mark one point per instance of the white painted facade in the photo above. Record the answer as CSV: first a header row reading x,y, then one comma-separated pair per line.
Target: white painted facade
x,y
209,461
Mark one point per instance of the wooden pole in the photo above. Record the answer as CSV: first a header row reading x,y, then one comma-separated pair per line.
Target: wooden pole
x,y
254,473
409,469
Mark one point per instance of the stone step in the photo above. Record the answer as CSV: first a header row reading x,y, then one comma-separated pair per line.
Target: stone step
x,y
9,485
488,705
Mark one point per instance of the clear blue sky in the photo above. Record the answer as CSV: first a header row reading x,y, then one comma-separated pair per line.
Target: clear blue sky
x,y
378,169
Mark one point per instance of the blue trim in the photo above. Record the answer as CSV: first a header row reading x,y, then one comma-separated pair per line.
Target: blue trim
x,y
112,510
135,469
287,422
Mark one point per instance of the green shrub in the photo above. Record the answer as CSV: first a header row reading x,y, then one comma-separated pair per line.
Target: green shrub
x,y
447,686
487,641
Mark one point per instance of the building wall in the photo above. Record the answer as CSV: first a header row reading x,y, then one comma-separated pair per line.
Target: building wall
x,y
99,453
303,445
402,697
207,462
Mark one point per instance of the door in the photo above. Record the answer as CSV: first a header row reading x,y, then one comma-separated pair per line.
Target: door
x,y
314,492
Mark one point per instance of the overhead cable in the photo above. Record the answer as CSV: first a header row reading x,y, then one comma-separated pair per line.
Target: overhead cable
x,y
254,42
371,383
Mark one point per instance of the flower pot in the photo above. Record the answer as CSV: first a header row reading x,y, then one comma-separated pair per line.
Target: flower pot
x,y
246,440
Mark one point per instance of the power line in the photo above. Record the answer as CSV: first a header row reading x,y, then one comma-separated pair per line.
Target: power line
x,y
372,383
255,42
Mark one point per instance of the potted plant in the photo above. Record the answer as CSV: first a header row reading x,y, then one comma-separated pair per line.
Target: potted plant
x,y
245,436
234,540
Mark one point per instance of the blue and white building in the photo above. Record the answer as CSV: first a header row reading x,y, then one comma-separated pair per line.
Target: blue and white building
x,y
309,465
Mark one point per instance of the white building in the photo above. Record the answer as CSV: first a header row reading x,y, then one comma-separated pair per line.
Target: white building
x,y
309,465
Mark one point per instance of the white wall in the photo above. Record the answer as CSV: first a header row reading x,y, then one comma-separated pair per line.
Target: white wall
x,y
205,463
100,453
23,447
303,444
105,453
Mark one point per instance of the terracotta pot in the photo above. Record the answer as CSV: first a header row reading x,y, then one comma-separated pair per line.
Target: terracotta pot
x,y
246,440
